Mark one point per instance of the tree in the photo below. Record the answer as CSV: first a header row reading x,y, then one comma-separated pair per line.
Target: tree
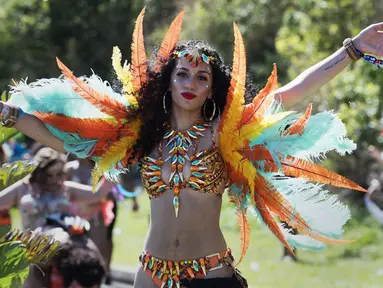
x,y
312,30
259,22
81,33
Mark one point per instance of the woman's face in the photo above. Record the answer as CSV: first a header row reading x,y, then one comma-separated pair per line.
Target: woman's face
x,y
190,86
54,177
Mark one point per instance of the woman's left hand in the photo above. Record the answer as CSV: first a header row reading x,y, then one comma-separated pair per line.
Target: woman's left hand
x,y
370,40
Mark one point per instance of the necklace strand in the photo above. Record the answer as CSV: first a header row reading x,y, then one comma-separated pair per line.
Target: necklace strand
x,y
179,143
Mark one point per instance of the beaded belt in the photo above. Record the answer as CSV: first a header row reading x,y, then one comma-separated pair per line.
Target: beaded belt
x,y
166,273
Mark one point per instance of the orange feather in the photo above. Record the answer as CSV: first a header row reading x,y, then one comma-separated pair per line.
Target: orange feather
x,y
100,148
260,102
268,219
138,63
170,40
313,172
91,128
238,76
102,101
245,233
277,204
296,167
299,126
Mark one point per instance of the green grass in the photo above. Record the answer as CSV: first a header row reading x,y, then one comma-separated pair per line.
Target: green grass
x,y
358,265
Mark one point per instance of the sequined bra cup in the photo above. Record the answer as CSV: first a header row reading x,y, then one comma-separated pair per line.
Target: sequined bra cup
x,y
207,168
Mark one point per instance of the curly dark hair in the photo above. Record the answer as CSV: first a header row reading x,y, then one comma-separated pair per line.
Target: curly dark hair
x,y
151,100
80,262
45,158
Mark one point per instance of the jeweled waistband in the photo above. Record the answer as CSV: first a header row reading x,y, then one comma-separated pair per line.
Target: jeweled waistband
x,y
168,273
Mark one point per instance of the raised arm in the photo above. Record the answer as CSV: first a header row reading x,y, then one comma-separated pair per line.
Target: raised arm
x,y
35,129
368,41
12,116
83,193
10,195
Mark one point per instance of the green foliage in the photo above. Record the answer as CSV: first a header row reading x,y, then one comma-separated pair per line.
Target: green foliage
x,y
314,29
6,134
40,247
81,33
10,173
18,250
259,22
14,266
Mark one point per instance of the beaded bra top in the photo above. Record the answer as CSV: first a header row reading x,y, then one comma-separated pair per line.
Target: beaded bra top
x,y
207,168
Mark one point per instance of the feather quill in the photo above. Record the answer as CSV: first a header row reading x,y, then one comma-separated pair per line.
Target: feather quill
x,y
245,233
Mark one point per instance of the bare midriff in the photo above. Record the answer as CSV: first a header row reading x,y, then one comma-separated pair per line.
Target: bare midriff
x,y
194,234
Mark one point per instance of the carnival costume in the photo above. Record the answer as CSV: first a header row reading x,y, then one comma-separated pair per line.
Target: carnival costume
x,y
265,156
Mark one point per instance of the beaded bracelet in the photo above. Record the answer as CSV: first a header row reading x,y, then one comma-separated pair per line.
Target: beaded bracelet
x,y
350,49
369,58
9,115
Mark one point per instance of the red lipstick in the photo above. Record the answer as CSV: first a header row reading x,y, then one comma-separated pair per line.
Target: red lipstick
x,y
188,95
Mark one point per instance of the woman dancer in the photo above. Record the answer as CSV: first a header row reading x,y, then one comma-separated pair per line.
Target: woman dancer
x,y
183,117
45,192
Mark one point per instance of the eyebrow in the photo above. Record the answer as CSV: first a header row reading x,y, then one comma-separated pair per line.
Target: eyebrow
x,y
202,71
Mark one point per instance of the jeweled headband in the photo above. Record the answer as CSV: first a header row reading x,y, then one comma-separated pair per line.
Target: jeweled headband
x,y
194,56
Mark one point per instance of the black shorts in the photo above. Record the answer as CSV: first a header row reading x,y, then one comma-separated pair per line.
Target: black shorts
x,y
232,282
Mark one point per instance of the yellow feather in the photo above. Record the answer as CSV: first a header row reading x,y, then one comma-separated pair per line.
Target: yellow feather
x,y
237,90
256,128
123,73
230,140
115,153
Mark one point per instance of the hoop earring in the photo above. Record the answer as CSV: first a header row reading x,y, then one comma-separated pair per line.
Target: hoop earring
x,y
164,102
204,110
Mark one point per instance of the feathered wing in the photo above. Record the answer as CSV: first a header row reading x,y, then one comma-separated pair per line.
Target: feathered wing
x,y
269,157
91,119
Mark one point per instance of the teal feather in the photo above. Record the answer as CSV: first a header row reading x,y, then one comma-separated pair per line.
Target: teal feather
x,y
73,143
322,211
236,192
295,241
56,95
301,241
324,132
